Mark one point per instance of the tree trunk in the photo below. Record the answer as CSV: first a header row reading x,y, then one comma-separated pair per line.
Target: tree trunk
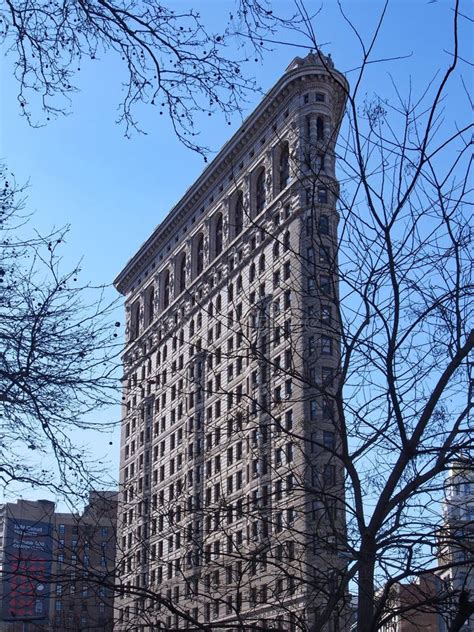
x,y
366,594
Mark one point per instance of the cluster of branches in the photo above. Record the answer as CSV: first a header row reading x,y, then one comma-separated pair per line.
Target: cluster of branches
x,y
399,401
58,355
57,344
168,58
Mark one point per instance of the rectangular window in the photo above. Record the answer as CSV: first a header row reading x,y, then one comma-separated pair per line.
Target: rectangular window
x,y
329,474
325,284
328,409
326,314
329,439
324,254
326,345
327,374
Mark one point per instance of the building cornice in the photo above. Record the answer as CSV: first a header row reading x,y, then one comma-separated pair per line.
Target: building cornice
x,y
314,67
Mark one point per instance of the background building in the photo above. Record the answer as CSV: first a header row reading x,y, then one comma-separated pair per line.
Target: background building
x,y
456,543
231,492
413,606
57,568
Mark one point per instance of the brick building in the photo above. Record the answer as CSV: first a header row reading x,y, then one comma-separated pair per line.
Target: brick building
x,y
58,568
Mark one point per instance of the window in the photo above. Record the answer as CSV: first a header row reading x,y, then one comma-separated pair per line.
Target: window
x,y
199,254
313,409
308,126
320,128
252,273
320,162
166,288
218,235
329,474
328,409
326,345
238,214
324,225
327,376
324,254
182,274
284,167
329,440
325,314
260,191
322,195
150,305
320,97
276,250
325,284
135,320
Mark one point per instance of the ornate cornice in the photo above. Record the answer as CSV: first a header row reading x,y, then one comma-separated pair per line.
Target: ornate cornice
x,y
314,67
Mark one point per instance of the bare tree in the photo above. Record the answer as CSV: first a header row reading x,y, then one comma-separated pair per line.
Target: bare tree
x,y
58,356
390,292
403,315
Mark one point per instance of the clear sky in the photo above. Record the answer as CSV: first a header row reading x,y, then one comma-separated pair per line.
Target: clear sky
x,y
113,191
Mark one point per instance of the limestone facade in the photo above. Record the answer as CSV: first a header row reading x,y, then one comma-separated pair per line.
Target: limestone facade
x,y
231,491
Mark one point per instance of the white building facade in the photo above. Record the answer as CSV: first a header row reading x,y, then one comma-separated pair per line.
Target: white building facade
x,y
231,490
456,545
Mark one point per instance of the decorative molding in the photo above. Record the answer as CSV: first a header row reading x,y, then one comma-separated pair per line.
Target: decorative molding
x,y
298,72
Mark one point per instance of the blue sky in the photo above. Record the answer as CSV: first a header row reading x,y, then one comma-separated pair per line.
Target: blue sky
x,y
113,191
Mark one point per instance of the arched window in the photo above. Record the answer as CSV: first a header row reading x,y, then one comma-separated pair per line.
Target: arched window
x,y
218,235
150,305
200,254
320,128
276,250
261,263
166,288
135,320
238,214
252,272
284,166
182,274
260,191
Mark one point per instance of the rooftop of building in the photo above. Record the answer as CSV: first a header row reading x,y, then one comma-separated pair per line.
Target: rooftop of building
x,y
313,63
